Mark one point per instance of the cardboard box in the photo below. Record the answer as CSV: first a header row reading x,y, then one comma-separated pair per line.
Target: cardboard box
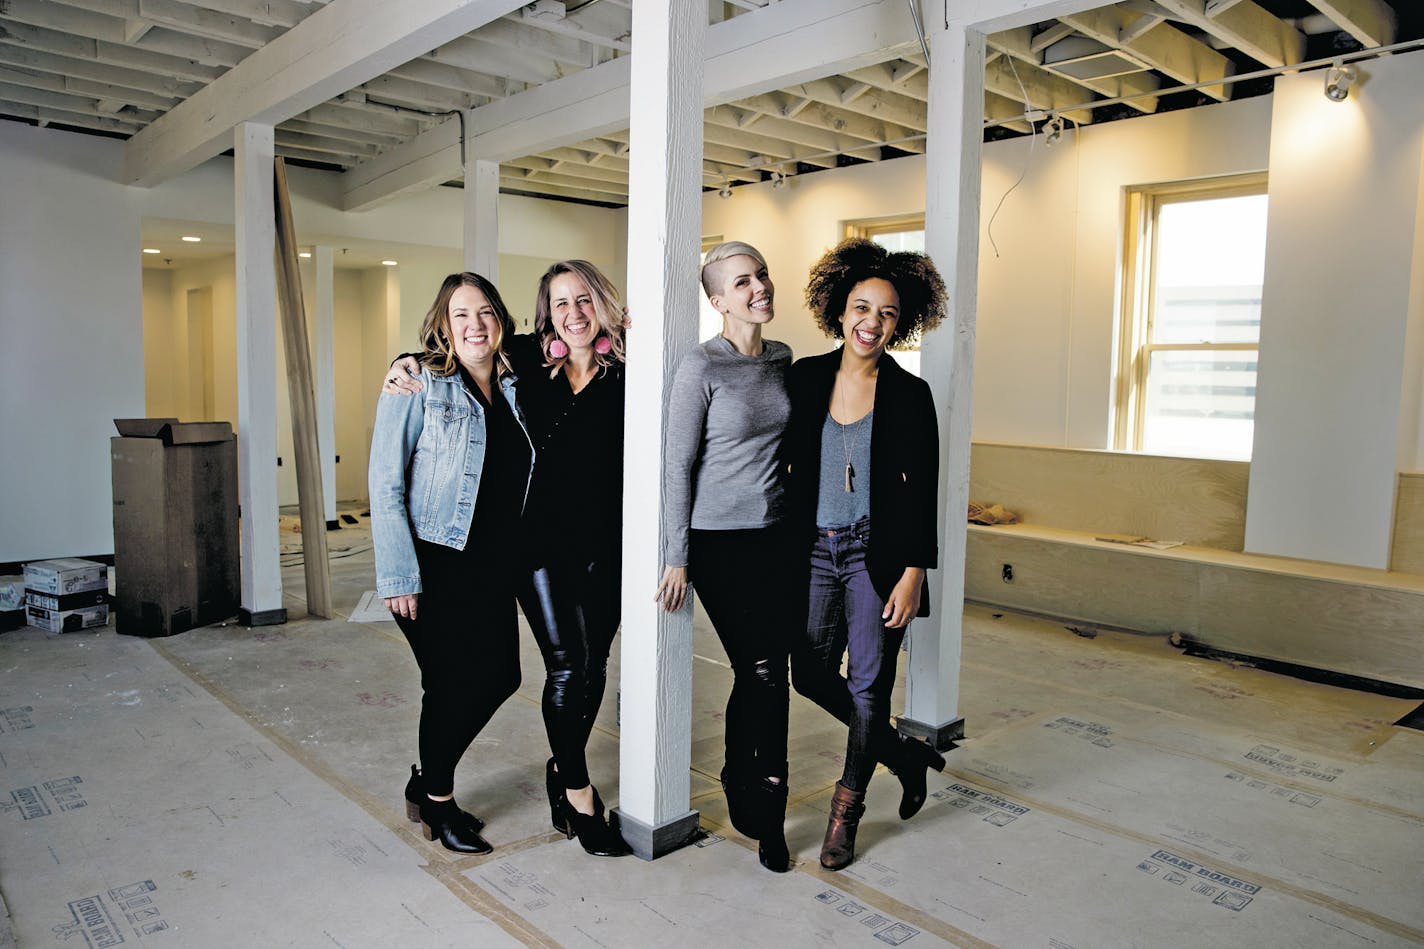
x,y
66,601
68,621
12,593
66,575
175,525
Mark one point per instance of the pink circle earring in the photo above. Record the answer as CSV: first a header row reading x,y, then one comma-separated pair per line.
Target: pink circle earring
x,y
603,345
558,349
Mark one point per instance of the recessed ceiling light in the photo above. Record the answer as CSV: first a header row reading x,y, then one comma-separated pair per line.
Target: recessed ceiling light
x,y
152,250
303,253
388,263
191,239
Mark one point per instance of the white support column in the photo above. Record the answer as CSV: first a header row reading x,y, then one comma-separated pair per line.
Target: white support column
x,y
664,217
956,109
324,366
256,232
482,219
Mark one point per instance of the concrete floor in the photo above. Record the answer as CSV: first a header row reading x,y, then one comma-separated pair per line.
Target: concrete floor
x,y
235,787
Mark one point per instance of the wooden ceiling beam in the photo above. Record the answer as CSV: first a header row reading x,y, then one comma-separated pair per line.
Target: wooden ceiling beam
x,y
534,186
997,108
361,136
307,154
601,24
456,78
1246,26
283,13
888,106
473,53
24,110
1372,22
416,95
1043,90
1164,48
164,87
339,47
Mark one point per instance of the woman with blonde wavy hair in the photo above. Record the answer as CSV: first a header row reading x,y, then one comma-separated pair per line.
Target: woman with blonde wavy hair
x,y
570,549
448,476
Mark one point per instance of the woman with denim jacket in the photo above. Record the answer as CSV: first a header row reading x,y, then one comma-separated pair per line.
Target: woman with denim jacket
x,y
571,396
449,475
863,451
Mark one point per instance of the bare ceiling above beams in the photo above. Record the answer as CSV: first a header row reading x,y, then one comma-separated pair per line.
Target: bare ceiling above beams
x,y
113,67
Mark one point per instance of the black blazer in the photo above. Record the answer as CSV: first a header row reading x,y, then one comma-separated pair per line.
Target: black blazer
x,y
904,466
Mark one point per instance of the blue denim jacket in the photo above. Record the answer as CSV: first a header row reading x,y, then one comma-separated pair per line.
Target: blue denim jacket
x,y
427,454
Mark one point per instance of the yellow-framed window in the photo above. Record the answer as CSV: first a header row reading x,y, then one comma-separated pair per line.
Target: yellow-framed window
x,y
1193,266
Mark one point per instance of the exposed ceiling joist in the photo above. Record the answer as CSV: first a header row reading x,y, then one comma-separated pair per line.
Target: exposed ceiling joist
x,y
284,13
44,116
793,40
523,186
1164,48
342,45
1258,33
602,24
1372,22
87,69
1035,88
451,77
1016,44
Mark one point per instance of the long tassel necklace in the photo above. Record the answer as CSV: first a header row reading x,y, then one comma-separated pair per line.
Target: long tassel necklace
x,y
845,448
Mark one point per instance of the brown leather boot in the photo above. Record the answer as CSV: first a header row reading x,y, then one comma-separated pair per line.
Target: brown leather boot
x,y
838,849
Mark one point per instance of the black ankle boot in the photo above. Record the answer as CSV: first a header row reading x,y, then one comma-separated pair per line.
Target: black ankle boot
x,y
741,803
415,794
916,758
771,843
595,834
444,821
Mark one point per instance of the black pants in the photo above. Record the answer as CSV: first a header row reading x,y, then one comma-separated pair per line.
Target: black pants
x,y
747,584
573,609
466,641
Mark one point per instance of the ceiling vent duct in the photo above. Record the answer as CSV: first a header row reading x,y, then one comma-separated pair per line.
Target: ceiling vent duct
x,y
1081,58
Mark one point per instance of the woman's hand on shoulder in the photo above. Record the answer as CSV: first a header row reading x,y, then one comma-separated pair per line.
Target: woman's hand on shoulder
x,y
904,600
672,591
403,378
403,605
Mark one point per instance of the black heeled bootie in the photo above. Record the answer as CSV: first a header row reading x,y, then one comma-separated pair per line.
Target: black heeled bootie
x,y
415,793
444,821
595,833
554,787
741,806
771,841
916,758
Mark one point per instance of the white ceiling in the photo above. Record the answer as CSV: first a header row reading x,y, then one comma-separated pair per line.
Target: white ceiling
x,y
114,66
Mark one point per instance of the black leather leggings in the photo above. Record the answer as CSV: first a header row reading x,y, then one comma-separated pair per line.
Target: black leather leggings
x,y
574,610
743,581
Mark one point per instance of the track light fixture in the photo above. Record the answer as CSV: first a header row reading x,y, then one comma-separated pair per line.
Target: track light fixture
x,y
778,179
725,191
1338,80
1053,130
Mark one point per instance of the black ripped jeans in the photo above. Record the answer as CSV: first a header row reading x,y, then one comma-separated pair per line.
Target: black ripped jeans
x,y
573,609
746,581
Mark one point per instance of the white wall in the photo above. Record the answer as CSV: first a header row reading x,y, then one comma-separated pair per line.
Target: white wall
x,y
1334,416
72,359
1048,302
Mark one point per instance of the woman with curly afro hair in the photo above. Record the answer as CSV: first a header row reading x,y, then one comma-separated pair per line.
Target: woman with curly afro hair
x,y
863,448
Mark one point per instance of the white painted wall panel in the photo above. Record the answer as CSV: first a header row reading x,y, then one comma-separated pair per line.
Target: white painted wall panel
x,y
71,314
1341,246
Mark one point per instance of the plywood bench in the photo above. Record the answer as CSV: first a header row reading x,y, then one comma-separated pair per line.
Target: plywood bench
x,y
1350,620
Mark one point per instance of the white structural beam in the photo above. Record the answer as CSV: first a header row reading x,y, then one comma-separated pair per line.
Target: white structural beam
x,y
482,219
325,372
337,48
664,217
783,44
947,363
255,230
1252,29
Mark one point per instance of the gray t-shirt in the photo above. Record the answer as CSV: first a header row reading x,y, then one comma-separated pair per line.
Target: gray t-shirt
x,y
727,416
843,445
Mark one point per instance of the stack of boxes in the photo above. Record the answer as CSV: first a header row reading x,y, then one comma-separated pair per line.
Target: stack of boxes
x,y
66,595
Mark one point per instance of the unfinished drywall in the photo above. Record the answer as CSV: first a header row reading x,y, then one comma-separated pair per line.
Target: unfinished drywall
x,y
1341,246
